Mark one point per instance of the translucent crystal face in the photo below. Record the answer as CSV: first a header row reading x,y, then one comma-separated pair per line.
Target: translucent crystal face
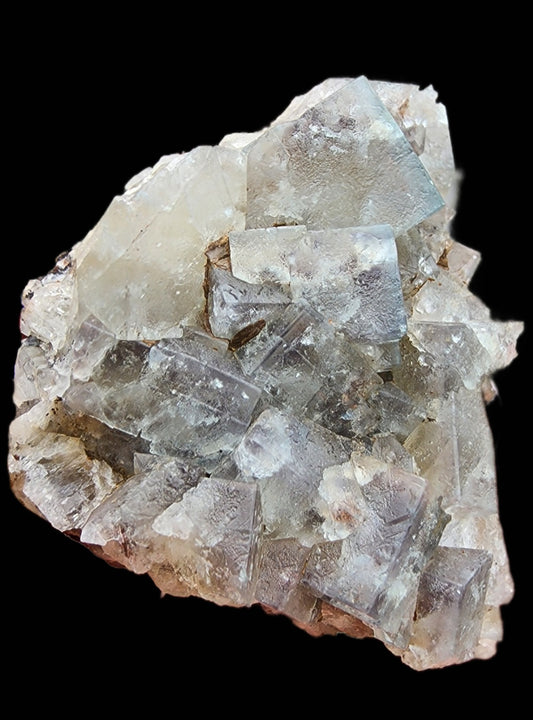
x,y
261,378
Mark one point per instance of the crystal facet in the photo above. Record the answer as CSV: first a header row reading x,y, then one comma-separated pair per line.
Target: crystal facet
x,y
261,378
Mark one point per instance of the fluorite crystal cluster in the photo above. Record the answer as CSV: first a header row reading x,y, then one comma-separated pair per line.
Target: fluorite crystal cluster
x,y
261,378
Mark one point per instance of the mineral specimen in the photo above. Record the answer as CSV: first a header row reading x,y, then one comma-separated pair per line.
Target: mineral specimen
x,y
261,379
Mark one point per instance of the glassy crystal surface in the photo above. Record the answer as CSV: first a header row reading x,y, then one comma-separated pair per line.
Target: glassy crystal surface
x,y
262,378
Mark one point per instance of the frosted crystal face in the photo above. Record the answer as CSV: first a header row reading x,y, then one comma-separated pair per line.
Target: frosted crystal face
x,y
261,378
342,157
365,299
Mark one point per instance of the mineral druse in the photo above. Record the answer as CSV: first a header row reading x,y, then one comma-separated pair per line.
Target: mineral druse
x,y
261,378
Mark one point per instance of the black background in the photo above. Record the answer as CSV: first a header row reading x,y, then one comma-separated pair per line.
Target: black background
x,y
87,113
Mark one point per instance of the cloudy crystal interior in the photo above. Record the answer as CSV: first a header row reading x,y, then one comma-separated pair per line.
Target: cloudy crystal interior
x,y
261,378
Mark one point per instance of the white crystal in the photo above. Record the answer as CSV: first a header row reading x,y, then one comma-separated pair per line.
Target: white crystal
x,y
286,458
261,378
450,606
136,274
343,159
373,565
233,304
350,275
212,539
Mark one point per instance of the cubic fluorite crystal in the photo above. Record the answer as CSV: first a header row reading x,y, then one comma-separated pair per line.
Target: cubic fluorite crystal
x,y
261,378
